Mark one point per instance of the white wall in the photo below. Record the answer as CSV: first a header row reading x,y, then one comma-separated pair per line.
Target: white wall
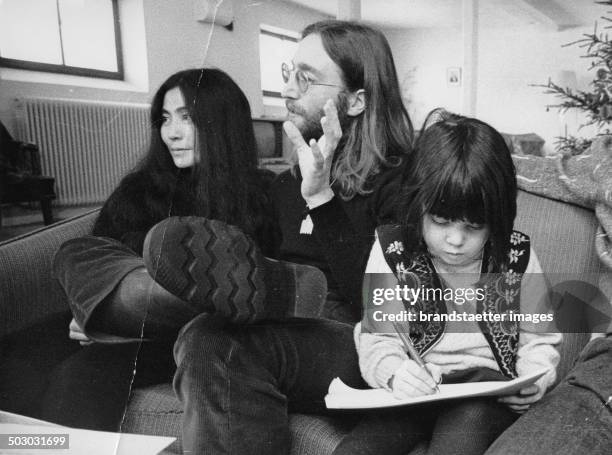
x,y
422,57
175,41
512,60
509,62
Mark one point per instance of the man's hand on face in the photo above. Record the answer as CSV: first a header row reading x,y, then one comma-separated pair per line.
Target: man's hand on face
x,y
315,158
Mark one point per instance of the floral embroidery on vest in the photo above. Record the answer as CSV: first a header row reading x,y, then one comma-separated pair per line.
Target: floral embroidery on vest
x,y
502,295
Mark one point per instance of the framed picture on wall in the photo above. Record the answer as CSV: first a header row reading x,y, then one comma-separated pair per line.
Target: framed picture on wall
x,y
453,76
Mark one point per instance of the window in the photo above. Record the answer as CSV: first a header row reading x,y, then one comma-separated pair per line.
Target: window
x,y
275,47
79,37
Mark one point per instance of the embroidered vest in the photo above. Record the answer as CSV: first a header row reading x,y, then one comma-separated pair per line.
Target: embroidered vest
x,y
502,295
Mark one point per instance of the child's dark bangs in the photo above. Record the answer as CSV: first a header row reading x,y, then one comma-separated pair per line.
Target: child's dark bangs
x,y
459,200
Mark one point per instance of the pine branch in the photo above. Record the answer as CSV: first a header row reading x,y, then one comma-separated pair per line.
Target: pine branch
x,y
571,144
597,102
581,100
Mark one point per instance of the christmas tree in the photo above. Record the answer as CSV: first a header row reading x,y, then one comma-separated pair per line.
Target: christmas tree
x,y
596,103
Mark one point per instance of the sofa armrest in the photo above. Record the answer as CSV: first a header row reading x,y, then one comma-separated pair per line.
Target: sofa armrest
x,y
563,237
28,290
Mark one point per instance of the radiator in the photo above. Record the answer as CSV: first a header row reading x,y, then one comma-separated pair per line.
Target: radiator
x,y
87,146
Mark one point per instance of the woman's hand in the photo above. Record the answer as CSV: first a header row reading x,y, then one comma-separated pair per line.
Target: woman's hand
x,y
410,380
522,401
315,159
76,333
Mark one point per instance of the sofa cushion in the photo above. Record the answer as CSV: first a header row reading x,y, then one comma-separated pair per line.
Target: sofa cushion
x,y
155,410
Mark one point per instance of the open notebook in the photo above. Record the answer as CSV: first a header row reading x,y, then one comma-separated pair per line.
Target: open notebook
x,y
341,396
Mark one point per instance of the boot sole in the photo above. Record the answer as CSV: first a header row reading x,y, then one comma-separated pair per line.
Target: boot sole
x,y
208,263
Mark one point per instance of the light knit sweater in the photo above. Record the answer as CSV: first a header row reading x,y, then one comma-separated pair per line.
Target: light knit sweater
x,y
461,346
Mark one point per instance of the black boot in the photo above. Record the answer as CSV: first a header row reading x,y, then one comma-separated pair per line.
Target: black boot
x,y
218,268
139,308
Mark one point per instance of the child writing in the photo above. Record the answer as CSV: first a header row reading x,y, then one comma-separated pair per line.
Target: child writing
x,y
457,214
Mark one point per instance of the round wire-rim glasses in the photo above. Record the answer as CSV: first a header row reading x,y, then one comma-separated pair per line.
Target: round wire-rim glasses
x,y
303,80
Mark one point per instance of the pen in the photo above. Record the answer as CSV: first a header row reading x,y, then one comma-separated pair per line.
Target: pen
x,y
412,352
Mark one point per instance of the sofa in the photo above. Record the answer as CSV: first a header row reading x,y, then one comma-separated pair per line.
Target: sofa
x,y
562,236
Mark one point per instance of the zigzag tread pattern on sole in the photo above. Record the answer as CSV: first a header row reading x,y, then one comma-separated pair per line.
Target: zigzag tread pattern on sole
x,y
188,266
218,265
240,260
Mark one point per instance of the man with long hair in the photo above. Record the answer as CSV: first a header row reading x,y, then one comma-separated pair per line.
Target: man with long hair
x,y
350,130
342,90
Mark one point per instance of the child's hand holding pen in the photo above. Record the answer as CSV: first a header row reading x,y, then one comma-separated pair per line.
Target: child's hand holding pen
x,y
411,380
414,377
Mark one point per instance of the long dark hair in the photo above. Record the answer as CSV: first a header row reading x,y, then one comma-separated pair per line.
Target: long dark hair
x,y
224,182
383,132
461,169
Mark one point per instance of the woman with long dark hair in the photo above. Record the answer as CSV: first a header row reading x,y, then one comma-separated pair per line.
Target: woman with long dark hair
x,y
201,161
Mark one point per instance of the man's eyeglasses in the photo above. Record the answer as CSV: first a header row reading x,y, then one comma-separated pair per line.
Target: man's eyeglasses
x,y
303,80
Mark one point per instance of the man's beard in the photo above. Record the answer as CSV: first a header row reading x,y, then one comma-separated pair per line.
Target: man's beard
x,y
310,127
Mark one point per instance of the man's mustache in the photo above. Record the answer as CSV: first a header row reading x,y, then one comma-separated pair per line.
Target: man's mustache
x,y
294,108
